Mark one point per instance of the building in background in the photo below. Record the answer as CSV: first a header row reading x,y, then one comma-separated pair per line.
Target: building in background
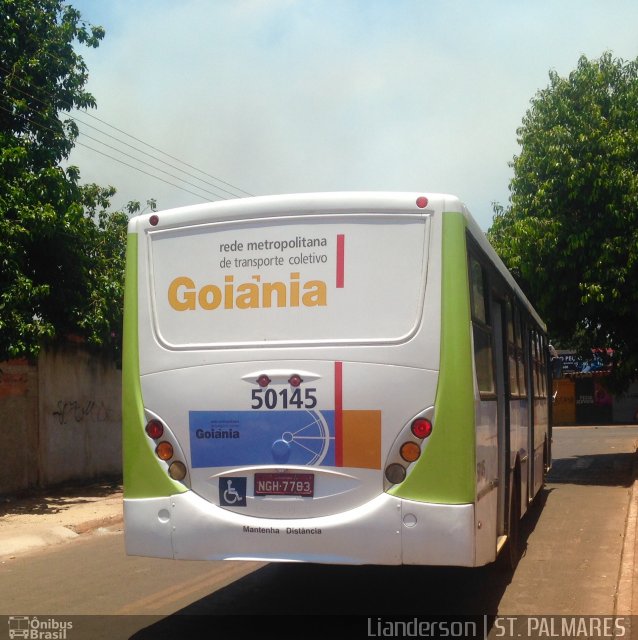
x,y
581,394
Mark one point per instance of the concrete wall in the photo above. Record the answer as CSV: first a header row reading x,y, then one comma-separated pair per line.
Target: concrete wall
x,y
60,419
19,426
626,405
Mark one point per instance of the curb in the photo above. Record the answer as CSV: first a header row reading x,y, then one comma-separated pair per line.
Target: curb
x,y
627,590
37,538
17,545
99,523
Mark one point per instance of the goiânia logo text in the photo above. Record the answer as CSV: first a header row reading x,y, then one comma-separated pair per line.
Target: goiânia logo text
x,y
185,295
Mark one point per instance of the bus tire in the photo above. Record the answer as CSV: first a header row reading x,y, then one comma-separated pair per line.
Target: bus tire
x,y
511,553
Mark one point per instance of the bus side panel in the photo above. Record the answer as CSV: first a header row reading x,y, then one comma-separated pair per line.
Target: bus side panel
x,y
143,476
437,534
486,480
445,473
519,439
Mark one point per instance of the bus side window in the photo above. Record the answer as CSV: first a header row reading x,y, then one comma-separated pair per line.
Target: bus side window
x,y
478,296
543,367
512,363
537,364
521,354
481,331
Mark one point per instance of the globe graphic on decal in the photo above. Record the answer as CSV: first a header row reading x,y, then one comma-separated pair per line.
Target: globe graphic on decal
x,y
309,442
281,449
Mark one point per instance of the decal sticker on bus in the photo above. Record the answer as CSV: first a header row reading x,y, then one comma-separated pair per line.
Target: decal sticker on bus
x,y
307,438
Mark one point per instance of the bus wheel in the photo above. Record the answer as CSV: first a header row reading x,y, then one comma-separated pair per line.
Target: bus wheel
x,y
511,553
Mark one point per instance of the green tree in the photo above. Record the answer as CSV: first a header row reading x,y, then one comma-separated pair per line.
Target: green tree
x,y
570,232
61,252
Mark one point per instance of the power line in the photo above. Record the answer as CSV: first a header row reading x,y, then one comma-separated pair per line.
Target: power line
x,y
148,164
75,119
145,172
108,135
41,126
168,155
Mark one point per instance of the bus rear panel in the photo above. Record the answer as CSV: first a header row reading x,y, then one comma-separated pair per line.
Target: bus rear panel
x,y
283,393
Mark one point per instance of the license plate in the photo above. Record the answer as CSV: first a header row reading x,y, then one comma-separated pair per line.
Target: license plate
x,y
284,484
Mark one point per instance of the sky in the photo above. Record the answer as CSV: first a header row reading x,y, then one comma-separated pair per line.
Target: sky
x,y
286,96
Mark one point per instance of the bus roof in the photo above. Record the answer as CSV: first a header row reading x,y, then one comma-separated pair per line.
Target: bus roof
x,y
303,203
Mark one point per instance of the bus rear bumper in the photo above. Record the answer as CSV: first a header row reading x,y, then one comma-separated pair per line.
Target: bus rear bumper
x,y
386,530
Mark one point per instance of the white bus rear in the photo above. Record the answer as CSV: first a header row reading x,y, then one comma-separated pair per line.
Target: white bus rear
x,y
284,396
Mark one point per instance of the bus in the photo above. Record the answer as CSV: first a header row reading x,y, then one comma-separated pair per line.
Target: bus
x,y
345,378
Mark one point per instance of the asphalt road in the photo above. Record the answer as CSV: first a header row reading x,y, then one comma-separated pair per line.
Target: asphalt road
x,y
572,537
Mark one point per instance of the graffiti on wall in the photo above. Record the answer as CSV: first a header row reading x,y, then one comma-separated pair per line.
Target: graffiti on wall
x,y
76,411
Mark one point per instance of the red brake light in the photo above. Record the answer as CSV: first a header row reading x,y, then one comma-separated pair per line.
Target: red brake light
x,y
154,219
295,380
421,428
263,380
421,202
154,429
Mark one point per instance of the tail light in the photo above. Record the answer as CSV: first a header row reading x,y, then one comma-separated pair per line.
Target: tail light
x,y
408,447
167,449
395,473
154,429
421,428
164,450
410,451
177,470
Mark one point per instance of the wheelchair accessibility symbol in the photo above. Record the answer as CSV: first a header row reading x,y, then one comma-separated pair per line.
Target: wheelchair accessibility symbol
x,y
232,492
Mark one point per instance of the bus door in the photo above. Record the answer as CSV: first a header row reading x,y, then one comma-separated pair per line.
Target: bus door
x,y
503,432
530,337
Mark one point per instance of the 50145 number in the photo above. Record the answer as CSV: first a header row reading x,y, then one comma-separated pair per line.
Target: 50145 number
x,y
284,399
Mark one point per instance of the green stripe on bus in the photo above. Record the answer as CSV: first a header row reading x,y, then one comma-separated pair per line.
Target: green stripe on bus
x,y
143,475
445,473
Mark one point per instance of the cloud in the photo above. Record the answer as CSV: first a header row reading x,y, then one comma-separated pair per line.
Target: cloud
x,y
282,95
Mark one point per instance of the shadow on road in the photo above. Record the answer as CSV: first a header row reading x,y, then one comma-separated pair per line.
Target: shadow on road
x,y
276,594
602,469
283,591
354,592
57,499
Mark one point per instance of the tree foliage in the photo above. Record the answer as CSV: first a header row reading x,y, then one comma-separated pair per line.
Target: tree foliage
x,y
570,232
61,251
